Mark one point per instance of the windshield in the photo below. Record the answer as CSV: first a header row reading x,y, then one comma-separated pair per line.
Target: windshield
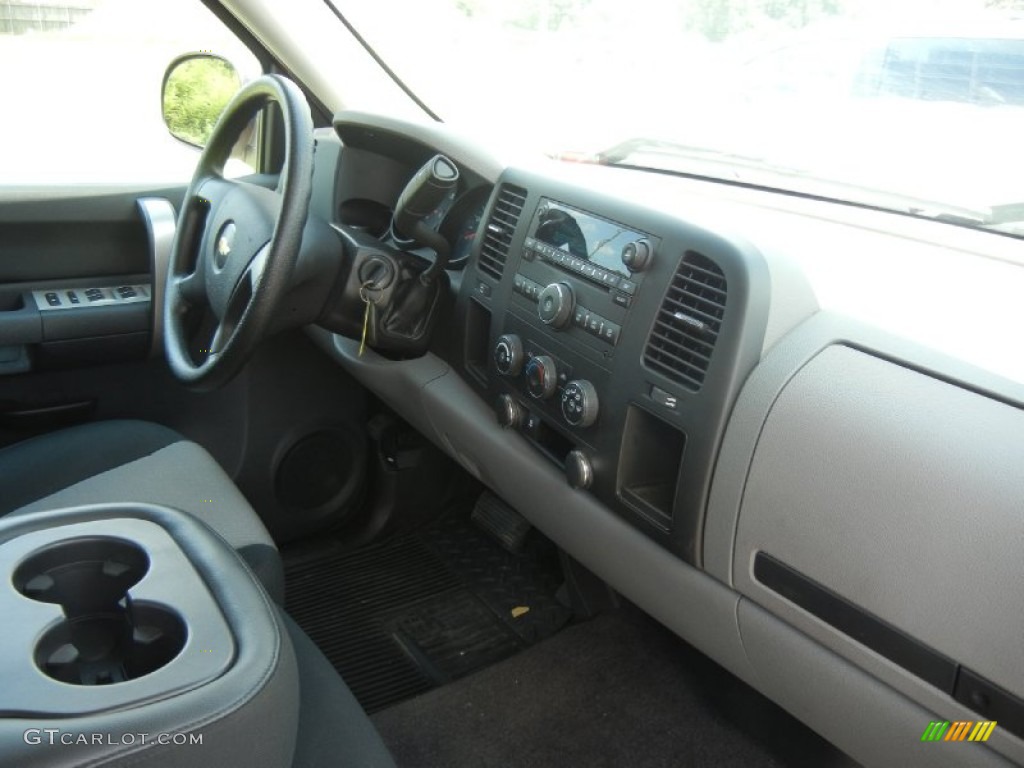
x,y
916,105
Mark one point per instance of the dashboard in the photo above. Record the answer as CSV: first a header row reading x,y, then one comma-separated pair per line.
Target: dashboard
x,y
790,430
370,183
615,346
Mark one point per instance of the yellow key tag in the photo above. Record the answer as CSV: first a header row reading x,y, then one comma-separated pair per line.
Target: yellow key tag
x,y
366,327
366,316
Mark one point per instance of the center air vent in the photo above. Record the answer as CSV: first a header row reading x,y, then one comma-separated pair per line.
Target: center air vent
x,y
688,322
500,228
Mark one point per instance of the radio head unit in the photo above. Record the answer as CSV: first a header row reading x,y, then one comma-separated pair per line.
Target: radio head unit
x,y
596,242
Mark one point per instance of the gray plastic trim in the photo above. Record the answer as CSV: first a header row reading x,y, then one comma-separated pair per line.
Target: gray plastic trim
x,y
397,382
352,124
680,596
110,297
901,494
729,487
23,325
771,376
443,407
161,224
867,719
792,298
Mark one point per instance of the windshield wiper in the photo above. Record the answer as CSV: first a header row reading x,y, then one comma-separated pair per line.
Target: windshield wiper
x,y
756,172
622,151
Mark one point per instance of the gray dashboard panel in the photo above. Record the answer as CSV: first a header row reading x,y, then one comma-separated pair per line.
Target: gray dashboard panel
x,y
934,281
850,708
398,383
687,601
939,455
443,407
772,375
358,128
902,494
765,386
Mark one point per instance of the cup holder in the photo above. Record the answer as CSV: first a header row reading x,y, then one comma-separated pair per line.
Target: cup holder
x,y
105,637
84,576
102,649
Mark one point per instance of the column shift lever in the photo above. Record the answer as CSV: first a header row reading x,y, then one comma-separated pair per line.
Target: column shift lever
x,y
421,196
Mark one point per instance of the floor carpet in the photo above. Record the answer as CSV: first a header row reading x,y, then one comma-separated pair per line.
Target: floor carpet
x,y
619,690
407,615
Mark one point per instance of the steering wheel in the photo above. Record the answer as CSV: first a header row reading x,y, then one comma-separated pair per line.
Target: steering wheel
x,y
236,242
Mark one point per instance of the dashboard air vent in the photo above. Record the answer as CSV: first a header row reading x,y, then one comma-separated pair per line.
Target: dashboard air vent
x,y
500,228
688,322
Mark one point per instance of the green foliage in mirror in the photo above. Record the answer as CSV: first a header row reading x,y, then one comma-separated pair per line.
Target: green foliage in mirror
x,y
196,91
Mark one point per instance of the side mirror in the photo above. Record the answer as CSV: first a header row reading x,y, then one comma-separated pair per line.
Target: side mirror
x,y
196,88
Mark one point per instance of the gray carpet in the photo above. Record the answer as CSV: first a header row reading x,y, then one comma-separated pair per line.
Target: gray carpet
x,y
619,690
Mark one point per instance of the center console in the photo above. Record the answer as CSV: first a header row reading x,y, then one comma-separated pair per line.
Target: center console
x,y
134,629
614,339
98,606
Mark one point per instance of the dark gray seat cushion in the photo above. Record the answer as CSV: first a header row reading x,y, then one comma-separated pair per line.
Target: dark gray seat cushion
x,y
333,728
125,461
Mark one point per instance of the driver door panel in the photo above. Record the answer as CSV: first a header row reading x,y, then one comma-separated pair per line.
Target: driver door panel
x,y
76,292
95,364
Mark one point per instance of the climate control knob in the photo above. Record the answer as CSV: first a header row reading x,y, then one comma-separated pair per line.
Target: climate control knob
x,y
578,470
579,403
508,355
510,413
637,255
541,377
555,305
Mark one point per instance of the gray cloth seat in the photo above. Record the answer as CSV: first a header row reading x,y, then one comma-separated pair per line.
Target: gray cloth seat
x,y
136,461
333,728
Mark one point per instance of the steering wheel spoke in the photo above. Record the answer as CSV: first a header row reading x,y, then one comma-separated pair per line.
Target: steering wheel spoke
x,y
191,289
219,340
211,189
238,242
254,272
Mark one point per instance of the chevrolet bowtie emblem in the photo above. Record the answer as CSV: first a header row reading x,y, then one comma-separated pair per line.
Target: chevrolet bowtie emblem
x,y
225,242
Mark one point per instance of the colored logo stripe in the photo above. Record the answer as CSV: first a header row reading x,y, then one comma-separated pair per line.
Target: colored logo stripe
x,y
982,731
959,730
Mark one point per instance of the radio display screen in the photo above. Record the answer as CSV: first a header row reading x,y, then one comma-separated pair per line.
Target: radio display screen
x,y
587,237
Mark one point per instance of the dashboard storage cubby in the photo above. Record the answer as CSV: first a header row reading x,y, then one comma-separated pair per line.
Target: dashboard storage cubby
x,y
106,637
649,465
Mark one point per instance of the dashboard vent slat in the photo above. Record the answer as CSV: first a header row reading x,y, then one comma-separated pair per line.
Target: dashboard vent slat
x,y
688,323
500,228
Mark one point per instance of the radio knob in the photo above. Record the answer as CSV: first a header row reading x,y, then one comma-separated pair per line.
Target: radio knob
x,y
541,377
508,355
578,470
579,403
636,255
555,305
510,413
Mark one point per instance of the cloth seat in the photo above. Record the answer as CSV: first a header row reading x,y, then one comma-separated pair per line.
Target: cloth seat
x,y
136,461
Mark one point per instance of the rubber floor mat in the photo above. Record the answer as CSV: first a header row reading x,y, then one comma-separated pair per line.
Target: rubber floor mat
x,y
518,588
399,618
